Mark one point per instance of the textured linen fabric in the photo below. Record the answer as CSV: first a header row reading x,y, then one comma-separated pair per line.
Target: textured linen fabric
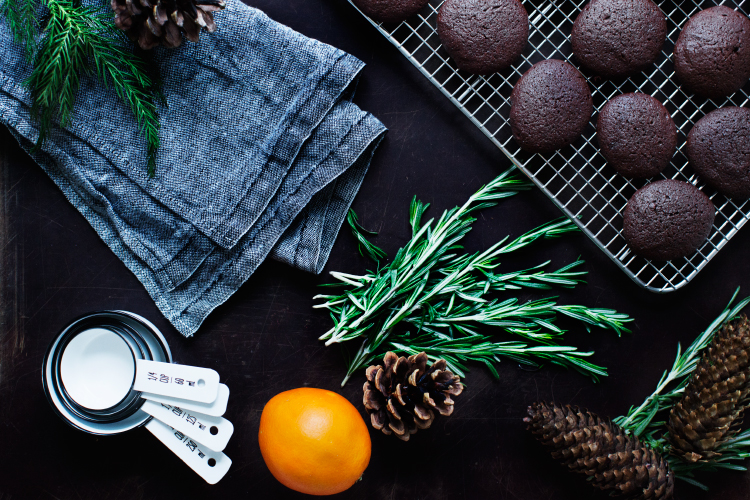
x,y
262,154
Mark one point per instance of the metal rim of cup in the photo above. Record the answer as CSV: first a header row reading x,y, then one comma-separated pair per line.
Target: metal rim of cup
x,y
130,402
126,323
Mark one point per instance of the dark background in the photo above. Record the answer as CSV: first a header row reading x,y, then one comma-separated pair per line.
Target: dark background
x,y
264,339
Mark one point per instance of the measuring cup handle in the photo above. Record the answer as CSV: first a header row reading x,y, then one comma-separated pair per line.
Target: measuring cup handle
x,y
212,432
209,465
178,381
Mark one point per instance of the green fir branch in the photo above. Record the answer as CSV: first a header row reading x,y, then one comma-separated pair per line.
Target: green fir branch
x,y
20,16
127,73
76,42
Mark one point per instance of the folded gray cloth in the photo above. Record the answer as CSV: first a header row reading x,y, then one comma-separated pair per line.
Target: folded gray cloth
x,y
262,154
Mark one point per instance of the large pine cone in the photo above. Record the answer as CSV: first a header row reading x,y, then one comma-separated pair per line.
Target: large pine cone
x,y
711,409
153,22
401,395
615,462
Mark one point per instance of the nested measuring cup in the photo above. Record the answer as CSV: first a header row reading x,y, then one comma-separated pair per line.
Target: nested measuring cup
x,y
94,375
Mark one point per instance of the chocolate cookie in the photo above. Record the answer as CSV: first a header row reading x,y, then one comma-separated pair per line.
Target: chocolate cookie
x,y
636,135
712,53
718,148
390,11
617,38
667,219
550,106
483,36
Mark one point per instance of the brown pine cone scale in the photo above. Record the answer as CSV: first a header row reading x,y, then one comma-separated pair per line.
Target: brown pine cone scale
x,y
403,394
713,404
613,461
162,22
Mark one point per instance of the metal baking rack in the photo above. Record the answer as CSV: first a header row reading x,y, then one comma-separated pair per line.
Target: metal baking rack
x,y
577,178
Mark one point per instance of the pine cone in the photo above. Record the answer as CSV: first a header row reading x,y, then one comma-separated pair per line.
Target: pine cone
x,y
711,409
153,22
401,396
614,461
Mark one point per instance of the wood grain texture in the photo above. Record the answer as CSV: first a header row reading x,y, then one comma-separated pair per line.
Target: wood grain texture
x,y
264,339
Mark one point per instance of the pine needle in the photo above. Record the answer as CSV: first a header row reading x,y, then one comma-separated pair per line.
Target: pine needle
x,y
669,390
648,420
78,41
21,18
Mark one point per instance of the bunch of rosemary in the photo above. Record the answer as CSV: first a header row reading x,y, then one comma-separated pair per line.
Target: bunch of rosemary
x,y
648,421
77,41
445,296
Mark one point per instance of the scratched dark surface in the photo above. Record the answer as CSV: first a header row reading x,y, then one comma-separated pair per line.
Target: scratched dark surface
x,y
263,340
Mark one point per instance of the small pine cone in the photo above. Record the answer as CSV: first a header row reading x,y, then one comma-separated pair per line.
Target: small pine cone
x,y
711,408
162,22
401,396
615,462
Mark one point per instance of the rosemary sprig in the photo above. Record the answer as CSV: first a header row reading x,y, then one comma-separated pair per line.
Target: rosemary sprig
x,y
366,248
446,295
78,41
480,348
413,263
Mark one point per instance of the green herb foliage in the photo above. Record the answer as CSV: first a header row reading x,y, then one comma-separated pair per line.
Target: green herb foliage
x,y
78,41
648,421
446,296
366,248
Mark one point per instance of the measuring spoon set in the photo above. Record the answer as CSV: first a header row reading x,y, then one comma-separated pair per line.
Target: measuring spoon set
x,y
112,371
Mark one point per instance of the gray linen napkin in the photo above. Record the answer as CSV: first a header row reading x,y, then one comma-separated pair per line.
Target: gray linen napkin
x,y
262,154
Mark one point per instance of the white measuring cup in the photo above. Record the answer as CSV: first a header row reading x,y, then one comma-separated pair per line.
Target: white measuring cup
x,y
101,369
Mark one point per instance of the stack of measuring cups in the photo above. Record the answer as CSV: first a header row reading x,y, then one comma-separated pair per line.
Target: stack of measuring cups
x,y
112,371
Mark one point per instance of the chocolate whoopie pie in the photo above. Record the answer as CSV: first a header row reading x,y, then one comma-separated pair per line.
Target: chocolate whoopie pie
x,y
390,11
617,38
550,106
667,219
712,53
718,149
483,36
636,135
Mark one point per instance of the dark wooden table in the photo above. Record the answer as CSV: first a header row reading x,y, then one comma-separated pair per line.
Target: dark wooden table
x,y
264,339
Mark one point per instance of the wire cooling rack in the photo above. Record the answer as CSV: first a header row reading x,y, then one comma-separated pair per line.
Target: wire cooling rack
x,y
576,178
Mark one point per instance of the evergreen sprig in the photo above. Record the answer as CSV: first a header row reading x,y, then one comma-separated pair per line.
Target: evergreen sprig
x,y
21,19
78,41
447,296
648,421
640,420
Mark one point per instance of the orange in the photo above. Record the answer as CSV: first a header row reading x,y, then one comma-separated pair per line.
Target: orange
x,y
314,441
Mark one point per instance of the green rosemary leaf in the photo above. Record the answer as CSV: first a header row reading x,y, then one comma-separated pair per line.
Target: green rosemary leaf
x,y
416,211
602,318
366,248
